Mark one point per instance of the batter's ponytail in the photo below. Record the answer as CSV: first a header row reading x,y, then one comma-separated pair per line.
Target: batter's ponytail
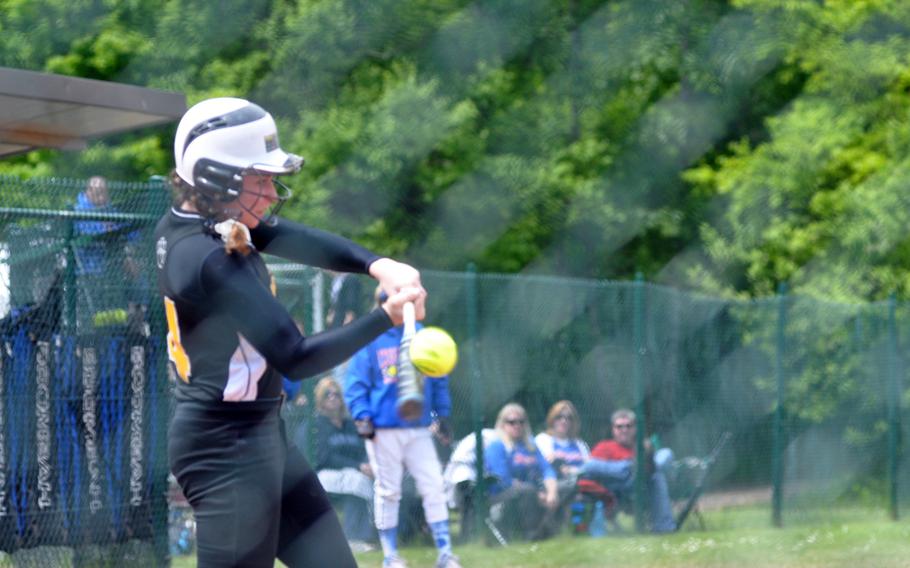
x,y
238,239
236,235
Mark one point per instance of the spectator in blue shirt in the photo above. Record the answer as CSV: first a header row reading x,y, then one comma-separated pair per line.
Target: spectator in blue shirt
x,y
524,495
90,258
560,444
110,279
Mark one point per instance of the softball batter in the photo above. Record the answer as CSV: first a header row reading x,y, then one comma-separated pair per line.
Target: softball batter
x,y
254,497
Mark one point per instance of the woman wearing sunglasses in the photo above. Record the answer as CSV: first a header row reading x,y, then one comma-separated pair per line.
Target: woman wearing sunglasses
x,y
340,460
567,453
525,494
560,444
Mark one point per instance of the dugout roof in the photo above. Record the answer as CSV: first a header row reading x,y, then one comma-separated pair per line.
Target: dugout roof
x,y
41,110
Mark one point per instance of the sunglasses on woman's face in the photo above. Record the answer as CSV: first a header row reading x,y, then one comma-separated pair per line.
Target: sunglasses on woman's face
x,y
515,421
333,394
566,417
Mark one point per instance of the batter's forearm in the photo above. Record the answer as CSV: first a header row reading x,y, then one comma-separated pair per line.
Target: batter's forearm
x,y
314,247
319,353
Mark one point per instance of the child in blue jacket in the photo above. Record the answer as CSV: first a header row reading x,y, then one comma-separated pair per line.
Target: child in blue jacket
x,y
371,393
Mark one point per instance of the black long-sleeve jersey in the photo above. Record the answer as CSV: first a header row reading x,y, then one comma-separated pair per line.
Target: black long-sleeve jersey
x,y
228,336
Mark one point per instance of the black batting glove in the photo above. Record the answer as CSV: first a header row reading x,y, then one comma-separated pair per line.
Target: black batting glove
x,y
365,428
444,430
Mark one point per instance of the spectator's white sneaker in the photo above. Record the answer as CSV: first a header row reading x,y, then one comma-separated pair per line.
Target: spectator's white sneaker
x,y
394,562
448,561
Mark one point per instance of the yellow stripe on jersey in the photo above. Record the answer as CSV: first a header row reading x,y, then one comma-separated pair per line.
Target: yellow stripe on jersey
x,y
175,351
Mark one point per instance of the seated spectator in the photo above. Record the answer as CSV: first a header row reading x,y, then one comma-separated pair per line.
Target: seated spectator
x,y
462,465
612,464
341,464
524,494
560,444
460,476
565,451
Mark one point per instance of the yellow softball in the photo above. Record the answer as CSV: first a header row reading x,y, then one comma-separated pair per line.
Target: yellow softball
x,y
433,352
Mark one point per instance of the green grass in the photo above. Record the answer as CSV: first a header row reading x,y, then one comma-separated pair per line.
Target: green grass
x,y
736,538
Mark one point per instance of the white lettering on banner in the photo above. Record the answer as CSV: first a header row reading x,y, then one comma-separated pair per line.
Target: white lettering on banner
x,y
43,422
137,376
3,509
89,420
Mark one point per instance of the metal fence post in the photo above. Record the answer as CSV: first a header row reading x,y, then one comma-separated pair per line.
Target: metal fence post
x,y
638,337
777,450
480,487
893,398
69,280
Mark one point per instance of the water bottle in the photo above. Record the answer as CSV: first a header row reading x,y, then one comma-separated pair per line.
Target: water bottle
x,y
579,526
599,522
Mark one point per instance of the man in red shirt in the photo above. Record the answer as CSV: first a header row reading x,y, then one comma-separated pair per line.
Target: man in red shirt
x,y
622,446
612,464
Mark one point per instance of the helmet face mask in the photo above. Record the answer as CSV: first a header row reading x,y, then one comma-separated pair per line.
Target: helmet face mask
x,y
220,140
279,195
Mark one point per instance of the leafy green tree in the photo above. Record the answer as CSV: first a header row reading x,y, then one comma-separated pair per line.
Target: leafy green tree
x,y
816,198
720,145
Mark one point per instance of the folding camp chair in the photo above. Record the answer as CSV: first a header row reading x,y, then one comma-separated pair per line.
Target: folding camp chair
x,y
687,477
698,470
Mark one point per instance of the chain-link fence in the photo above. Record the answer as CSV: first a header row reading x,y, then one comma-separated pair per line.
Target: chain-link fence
x,y
810,391
83,387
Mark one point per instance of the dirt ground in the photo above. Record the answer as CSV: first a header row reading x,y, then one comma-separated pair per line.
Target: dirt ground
x,y
734,498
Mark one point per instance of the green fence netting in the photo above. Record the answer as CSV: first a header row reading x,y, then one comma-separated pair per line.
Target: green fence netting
x,y
84,391
811,392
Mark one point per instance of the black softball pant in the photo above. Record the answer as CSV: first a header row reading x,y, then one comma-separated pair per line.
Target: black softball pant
x,y
254,497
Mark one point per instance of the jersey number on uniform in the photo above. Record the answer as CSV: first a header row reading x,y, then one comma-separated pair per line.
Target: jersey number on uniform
x,y
175,351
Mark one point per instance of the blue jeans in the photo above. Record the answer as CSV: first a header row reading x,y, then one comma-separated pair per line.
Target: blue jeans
x,y
619,477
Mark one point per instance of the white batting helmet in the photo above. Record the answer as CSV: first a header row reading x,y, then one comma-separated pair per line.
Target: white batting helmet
x,y
220,139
